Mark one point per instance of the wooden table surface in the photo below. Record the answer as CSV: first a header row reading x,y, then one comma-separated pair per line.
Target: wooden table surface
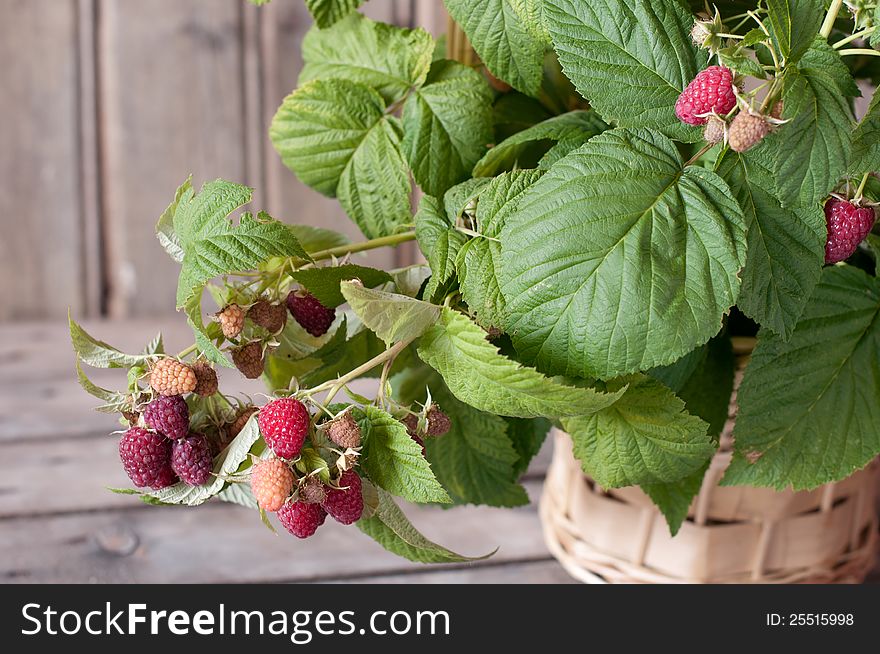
x,y
60,524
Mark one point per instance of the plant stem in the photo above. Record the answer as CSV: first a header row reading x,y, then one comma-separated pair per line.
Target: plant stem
x,y
858,51
388,354
187,351
830,17
725,35
699,154
372,244
853,37
861,189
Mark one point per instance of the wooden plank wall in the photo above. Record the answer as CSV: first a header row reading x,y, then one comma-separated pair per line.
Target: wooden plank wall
x,y
107,105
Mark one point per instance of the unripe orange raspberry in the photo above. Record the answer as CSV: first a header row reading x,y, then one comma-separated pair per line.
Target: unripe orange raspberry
x,y
271,483
171,377
231,319
746,131
206,379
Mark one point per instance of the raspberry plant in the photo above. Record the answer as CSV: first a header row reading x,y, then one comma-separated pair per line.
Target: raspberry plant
x,y
611,190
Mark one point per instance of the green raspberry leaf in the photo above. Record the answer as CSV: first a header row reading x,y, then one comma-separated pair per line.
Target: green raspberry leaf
x,y
525,147
808,407
393,317
630,58
315,239
328,12
619,258
447,125
786,247
114,402
866,140
478,374
646,437
674,498
165,226
393,460
506,37
389,59
527,437
99,354
439,242
324,283
392,530
793,25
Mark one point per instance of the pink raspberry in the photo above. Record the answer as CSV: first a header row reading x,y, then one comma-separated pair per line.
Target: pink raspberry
x,y
284,424
169,415
711,90
848,225
345,504
302,519
192,460
146,458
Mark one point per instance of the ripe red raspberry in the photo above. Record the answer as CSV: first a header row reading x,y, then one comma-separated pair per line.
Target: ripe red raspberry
x,y
314,317
172,377
438,422
169,415
191,459
206,379
271,483
848,225
345,503
344,431
711,90
271,317
284,424
146,458
302,519
231,319
249,359
747,130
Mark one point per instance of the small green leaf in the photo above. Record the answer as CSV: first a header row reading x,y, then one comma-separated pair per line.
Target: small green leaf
x,y
439,242
201,214
479,375
393,317
866,139
324,282
328,12
674,498
742,64
99,354
793,25
646,437
165,226
310,461
393,460
392,530
113,400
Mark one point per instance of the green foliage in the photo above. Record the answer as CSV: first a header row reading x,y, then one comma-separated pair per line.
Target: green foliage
x,y
324,283
393,317
793,25
99,354
327,12
439,242
866,140
674,498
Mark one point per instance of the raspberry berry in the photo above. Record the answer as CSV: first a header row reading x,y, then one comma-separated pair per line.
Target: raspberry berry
x,y
715,130
171,377
284,424
411,422
231,319
249,359
272,317
314,317
312,491
345,503
168,415
146,458
240,421
206,379
191,459
747,130
271,483
344,431
710,91
438,422
848,225
302,519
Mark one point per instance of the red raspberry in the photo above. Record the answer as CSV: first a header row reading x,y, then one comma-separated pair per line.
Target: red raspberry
x,y
271,483
146,458
191,459
711,90
314,317
848,225
302,519
346,503
169,415
284,424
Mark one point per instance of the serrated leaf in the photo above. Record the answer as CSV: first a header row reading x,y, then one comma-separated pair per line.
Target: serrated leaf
x,y
113,400
392,530
238,493
165,226
155,346
310,461
813,149
619,259
793,25
630,58
478,262
227,463
527,436
674,499
525,147
327,12
324,282
438,241
461,198
866,140
99,354
742,64
478,374
360,348
874,39
393,460
393,317
753,37
514,112
786,247
475,460
206,212
646,437
447,125
808,408
506,43
384,57
410,280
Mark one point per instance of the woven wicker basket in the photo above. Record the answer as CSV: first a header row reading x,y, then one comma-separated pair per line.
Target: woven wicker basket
x,y
732,534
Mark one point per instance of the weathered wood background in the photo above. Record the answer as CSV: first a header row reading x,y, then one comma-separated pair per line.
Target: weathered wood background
x,y
107,105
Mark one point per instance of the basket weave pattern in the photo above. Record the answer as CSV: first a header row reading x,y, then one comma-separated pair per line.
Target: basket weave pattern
x,y
731,535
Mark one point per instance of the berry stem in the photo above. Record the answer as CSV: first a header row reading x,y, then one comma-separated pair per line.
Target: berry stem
x,y
372,244
338,384
830,17
852,37
861,189
187,351
858,51
699,154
